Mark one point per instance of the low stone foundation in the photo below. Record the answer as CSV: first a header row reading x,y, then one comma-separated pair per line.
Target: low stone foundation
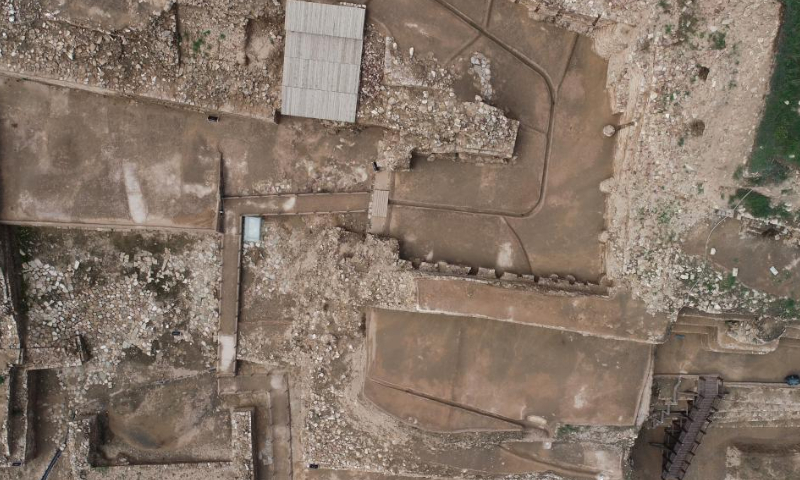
x,y
82,441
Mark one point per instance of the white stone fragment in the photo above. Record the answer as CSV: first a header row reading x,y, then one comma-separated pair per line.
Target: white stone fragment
x,y
773,270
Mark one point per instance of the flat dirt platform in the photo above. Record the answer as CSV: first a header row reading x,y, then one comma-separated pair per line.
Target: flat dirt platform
x,y
504,370
75,157
79,158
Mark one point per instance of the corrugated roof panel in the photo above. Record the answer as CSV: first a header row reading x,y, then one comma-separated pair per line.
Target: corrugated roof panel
x,y
302,102
380,203
321,47
322,61
317,75
321,19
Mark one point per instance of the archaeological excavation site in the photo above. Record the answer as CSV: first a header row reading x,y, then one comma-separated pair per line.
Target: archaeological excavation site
x,y
399,240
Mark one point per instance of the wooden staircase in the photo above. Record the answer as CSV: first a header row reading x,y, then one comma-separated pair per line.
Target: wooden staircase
x,y
685,435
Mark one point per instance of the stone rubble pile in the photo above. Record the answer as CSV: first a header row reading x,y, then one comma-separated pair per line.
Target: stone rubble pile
x,y
194,52
668,77
419,109
703,288
59,312
326,276
9,330
117,302
482,70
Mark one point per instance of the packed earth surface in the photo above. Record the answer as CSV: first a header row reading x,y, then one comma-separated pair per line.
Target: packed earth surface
x,y
560,239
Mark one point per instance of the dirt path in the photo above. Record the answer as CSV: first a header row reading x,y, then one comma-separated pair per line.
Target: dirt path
x,y
291,204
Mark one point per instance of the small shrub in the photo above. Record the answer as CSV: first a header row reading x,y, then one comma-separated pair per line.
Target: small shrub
x,y
728,283
785,308
201,40
197,44
717,40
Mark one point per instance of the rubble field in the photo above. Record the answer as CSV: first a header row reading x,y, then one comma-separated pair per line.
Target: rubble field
x,y
559,239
